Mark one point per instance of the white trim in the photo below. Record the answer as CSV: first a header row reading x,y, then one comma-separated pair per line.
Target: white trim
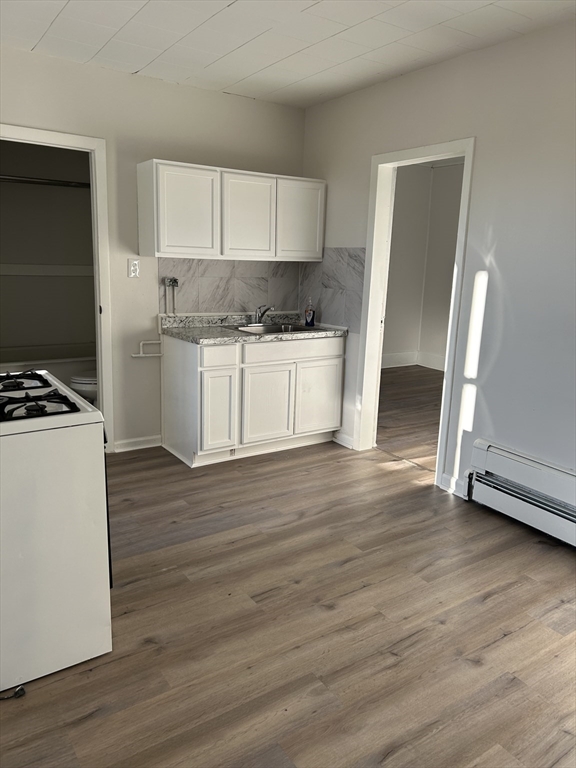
x,y
256,449
399,359
428,360
453,485
344,440
99,193
382,191
136,443
402,359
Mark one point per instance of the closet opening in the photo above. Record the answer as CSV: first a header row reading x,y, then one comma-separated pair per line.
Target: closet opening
x,y
55,261
48,298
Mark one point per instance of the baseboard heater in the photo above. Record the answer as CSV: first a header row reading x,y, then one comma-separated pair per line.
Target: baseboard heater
x,y
524,488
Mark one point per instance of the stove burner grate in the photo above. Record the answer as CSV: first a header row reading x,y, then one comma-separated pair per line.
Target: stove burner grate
x,y
35,409
51,403
18,382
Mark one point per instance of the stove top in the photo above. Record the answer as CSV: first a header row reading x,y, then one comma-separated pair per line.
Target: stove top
x,y
31,396
50,403
20,382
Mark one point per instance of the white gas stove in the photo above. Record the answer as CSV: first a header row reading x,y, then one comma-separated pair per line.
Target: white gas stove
x,y
54,553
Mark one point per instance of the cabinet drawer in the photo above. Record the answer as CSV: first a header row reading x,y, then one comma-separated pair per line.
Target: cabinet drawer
x,y
213,357
277,351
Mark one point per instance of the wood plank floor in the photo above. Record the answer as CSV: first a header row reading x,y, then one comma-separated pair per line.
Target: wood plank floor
x,y
409,413
316,608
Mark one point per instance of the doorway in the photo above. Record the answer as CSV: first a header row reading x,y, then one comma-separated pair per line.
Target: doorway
x,y
66,350
47,296
379,241
422,252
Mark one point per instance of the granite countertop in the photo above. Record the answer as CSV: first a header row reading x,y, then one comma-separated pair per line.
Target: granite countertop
x,y
217,334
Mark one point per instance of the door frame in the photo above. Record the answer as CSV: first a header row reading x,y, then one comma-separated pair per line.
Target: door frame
x,y
96,149
379,241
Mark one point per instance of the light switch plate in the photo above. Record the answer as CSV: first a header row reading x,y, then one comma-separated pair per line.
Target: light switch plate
x,y
133,267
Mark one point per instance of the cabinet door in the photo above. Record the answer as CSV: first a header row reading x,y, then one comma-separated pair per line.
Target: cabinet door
x,y
300,224
219,407
249,216
318,395
188,204
268,402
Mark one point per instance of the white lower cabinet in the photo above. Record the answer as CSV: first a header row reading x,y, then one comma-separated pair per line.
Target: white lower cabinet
x,y
234,400
218,397
318,395
268,402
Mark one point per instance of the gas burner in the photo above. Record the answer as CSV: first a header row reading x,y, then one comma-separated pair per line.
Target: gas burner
x,y
28,406
35,409
20,382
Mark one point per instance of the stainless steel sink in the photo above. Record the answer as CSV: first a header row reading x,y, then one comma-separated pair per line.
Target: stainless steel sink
x,y
261,328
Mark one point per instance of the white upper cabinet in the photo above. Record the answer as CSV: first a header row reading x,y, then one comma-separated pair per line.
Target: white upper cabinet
x,y
192,211
248,216
300,221
178,210
189,210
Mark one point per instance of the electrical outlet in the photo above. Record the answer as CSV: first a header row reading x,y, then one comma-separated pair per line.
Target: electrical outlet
x,y
133,267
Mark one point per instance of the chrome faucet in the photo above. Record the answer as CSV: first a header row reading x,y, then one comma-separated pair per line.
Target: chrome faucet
x,y
260,312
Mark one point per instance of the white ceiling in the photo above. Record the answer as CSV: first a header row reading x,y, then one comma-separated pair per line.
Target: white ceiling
x,y
296,52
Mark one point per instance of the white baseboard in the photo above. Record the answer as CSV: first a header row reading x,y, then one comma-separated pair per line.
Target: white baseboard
x,y
428,360
136,443
273,446
447,483
399,359
344,440
453,485
461,489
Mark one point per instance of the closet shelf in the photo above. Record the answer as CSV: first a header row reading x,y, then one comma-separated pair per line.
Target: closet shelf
x,y
45,182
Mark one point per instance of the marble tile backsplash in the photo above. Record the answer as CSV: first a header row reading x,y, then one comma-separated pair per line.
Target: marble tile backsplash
x,y
335,285
213,285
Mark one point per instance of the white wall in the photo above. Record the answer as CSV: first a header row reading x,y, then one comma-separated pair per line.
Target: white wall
x,y
445,195
142,118
517,99
407,266
424,231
